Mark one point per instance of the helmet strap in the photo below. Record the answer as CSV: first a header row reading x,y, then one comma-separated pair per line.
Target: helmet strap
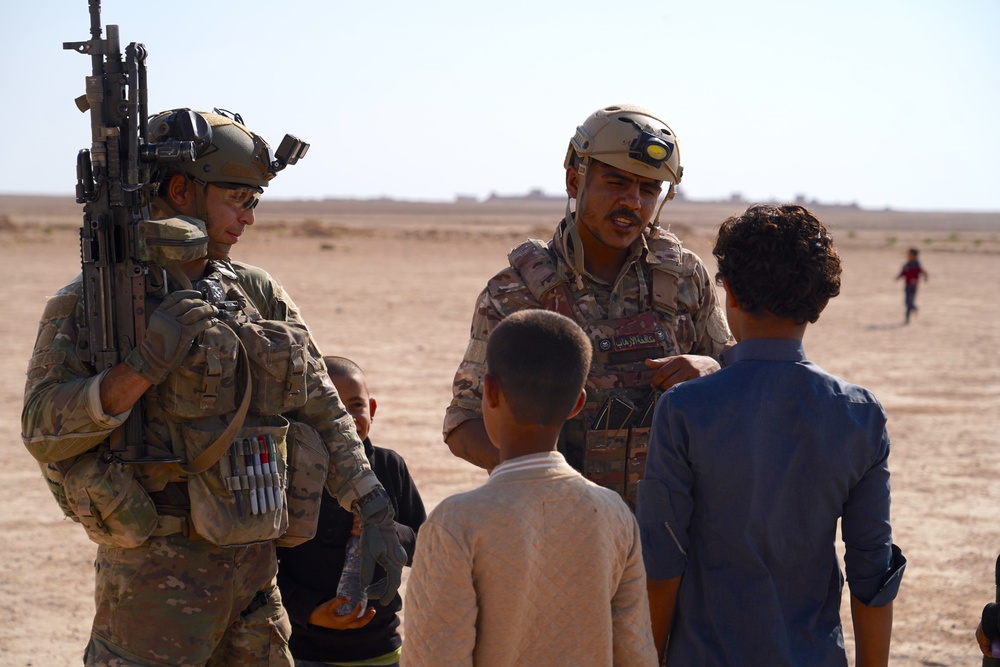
x,y
571,223
216,250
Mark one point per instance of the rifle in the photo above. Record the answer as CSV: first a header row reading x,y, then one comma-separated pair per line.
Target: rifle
x,y
117,240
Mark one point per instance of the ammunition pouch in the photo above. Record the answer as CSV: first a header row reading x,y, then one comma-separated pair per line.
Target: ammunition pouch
x,y
616,445
308,463
103,494
279,354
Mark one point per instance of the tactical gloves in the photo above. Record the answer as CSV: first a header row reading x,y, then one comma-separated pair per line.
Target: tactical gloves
x,y
379,544
172,329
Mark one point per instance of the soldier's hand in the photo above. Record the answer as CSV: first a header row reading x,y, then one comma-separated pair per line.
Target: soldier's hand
x,y
172,329
380,544
674,370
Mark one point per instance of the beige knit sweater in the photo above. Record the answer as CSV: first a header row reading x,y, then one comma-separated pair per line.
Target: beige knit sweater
x,y
536,567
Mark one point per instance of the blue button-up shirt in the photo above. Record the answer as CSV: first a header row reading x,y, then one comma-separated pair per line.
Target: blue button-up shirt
x,y
749,470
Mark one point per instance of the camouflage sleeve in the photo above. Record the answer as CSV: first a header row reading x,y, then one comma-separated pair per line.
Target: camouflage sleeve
x,y
712,334
350,476
504,294
467,388
62,414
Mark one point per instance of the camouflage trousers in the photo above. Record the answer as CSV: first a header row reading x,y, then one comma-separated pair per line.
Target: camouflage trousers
x,y
174,601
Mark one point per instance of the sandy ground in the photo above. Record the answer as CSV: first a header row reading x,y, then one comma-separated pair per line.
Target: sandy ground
x,y
392,286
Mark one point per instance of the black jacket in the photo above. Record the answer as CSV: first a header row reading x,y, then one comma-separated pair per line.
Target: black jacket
x,y
308,574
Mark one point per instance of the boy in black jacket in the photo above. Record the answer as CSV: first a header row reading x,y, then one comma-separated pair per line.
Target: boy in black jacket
x,y
309,573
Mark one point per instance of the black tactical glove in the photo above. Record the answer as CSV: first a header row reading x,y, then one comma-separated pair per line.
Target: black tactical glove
x,y
172,329
379,544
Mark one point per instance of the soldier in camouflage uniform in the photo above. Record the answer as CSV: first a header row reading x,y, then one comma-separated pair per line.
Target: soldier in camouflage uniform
x,y
191,581
648,305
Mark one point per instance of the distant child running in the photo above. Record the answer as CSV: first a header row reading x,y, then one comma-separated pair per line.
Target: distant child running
x,y
750,468
911,273
309,573
538,566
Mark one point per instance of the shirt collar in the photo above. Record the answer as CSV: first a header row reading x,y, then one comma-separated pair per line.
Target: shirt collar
x,y
541,460
765,349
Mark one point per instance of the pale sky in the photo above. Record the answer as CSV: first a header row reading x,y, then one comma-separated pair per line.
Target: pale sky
x,y
876,102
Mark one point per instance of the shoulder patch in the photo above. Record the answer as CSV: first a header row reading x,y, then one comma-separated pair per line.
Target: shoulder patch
x,y
59,307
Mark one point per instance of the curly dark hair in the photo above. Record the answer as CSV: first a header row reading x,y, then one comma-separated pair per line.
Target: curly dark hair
x,y
778,260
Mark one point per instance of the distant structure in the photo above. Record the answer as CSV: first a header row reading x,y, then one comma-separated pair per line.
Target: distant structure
x,y
533,195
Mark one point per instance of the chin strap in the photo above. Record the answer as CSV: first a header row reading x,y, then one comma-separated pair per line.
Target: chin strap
x,y
216,250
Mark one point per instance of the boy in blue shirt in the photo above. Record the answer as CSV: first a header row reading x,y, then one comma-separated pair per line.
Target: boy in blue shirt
x,y
750,469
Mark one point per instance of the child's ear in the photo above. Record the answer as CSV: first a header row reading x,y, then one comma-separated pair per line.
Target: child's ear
x,y
581,400
371,408
491,391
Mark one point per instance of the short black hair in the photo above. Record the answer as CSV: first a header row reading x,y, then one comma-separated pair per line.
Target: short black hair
x,y
778,260
541,360
343,367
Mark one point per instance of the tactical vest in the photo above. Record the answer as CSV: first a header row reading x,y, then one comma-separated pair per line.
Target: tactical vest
x,y
609,439
220,412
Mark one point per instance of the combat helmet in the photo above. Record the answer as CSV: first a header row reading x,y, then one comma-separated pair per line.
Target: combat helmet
x,y
631,138
226,150
226,154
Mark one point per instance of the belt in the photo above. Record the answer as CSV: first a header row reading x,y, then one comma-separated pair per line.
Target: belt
x,y
172,524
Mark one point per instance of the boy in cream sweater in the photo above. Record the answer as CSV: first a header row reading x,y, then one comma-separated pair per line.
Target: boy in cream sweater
x,y
538,566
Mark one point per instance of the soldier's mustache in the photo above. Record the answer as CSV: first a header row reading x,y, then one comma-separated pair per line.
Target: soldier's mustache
x,y
625,213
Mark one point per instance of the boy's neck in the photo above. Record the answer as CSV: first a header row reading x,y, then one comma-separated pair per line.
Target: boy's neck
x,y
770,326
521,440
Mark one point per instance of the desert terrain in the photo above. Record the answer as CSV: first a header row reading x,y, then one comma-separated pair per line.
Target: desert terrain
x,y
392,285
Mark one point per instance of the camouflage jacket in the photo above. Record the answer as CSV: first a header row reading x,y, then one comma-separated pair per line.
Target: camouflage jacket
x,y
63,417
698,325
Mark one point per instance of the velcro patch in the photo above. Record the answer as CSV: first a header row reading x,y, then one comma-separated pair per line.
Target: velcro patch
x,y
59,307
475,352
46,360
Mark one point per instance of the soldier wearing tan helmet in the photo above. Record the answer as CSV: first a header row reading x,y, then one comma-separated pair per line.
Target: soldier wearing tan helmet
x,y
186,560
648,305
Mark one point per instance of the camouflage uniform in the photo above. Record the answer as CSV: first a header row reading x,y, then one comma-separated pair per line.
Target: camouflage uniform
x,y
662,304
178,599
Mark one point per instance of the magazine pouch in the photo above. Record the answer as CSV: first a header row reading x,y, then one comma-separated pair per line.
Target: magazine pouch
x,y
308,463
239,499
103,494
279,352
206,384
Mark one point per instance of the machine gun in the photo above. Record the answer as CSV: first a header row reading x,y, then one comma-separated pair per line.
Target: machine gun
x,y
117,241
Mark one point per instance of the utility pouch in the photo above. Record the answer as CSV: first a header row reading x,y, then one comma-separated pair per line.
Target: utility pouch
x,y
236,500
279,353
308,464
205,384
105,497
53,472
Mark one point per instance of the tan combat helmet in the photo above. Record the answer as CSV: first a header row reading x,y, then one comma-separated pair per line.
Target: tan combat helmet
x,y
628,137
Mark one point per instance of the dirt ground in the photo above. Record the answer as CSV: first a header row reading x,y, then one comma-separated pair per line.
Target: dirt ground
x,y
392,286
